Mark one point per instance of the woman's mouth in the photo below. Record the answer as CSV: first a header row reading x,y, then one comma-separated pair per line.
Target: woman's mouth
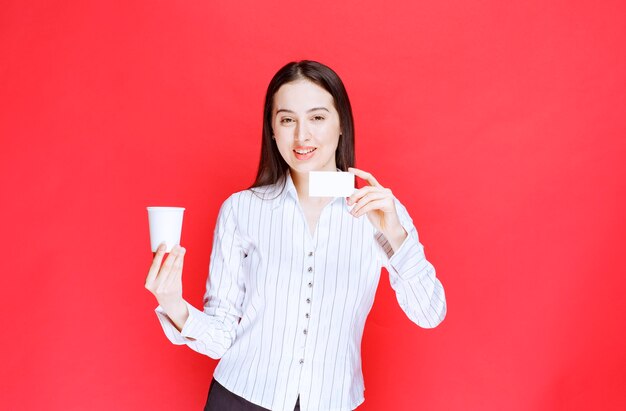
x,y
304,153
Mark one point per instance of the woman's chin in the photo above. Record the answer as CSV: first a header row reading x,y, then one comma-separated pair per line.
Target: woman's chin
x,y
302,167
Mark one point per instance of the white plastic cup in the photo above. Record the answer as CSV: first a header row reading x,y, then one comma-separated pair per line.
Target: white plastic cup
x,y
166,225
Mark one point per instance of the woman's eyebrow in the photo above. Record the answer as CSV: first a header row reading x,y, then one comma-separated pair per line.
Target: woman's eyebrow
x,y
318,108
308,111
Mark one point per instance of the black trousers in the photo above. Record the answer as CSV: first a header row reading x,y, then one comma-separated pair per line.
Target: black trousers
x,y
220,399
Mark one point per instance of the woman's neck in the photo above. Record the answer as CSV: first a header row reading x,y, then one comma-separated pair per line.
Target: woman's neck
x,y
301,183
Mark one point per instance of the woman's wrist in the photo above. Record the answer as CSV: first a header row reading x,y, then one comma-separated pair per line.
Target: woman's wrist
x,y
395,235
177,312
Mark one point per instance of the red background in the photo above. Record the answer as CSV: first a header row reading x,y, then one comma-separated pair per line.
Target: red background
x,y
501,126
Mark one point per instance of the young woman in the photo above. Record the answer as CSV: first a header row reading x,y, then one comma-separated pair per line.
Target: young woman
x,y
292,278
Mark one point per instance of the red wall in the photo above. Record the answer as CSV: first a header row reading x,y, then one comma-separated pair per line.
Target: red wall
x,y
501,126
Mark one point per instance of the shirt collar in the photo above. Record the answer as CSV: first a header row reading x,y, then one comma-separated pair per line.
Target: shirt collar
x,y
280,191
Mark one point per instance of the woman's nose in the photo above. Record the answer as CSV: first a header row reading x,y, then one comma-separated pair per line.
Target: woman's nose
x,y
302,132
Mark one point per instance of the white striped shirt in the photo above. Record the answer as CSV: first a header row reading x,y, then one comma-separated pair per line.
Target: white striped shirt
x,y
285,310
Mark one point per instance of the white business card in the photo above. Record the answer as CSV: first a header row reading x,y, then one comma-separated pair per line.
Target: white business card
x,y
331,184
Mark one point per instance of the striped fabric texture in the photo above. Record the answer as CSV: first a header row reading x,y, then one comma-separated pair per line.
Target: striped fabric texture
x,y
284,309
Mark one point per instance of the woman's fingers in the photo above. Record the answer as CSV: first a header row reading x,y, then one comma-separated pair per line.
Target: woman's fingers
x,y
365,176
360,193
163,272
177,270
156,264
372,205
367,199
168,264
164,280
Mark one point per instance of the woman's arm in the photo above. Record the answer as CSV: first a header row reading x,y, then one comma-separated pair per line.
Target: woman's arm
x,y
413,278
212,331
418,290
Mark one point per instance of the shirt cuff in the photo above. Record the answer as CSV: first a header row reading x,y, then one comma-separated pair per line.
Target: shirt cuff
x,y
171,332
408,257
386,245
196,325
404,259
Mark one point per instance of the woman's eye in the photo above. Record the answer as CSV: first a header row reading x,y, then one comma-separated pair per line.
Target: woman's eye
x,y
286,120
318,118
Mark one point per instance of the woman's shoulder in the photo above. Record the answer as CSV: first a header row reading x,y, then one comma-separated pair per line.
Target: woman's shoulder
x,y
252,196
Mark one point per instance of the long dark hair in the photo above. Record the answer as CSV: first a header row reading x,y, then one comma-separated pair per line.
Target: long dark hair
x,y
272,166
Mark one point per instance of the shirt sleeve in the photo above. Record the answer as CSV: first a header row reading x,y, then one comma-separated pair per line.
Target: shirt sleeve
x,y
418,290
212,331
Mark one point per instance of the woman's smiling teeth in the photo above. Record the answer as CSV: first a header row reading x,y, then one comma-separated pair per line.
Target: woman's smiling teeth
x,y
304,151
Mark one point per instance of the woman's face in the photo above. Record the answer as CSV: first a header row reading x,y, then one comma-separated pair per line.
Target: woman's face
x,y
306,126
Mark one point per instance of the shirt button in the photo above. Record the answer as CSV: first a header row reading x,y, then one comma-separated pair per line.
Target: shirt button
x,y
310,284
304,331
310,269
307,315
301,360
310,253
308,301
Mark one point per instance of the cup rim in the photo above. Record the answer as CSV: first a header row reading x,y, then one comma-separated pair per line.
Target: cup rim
x,y
159,208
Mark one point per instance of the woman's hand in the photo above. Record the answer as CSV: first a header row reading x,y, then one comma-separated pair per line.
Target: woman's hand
x,y
165,282
378,202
